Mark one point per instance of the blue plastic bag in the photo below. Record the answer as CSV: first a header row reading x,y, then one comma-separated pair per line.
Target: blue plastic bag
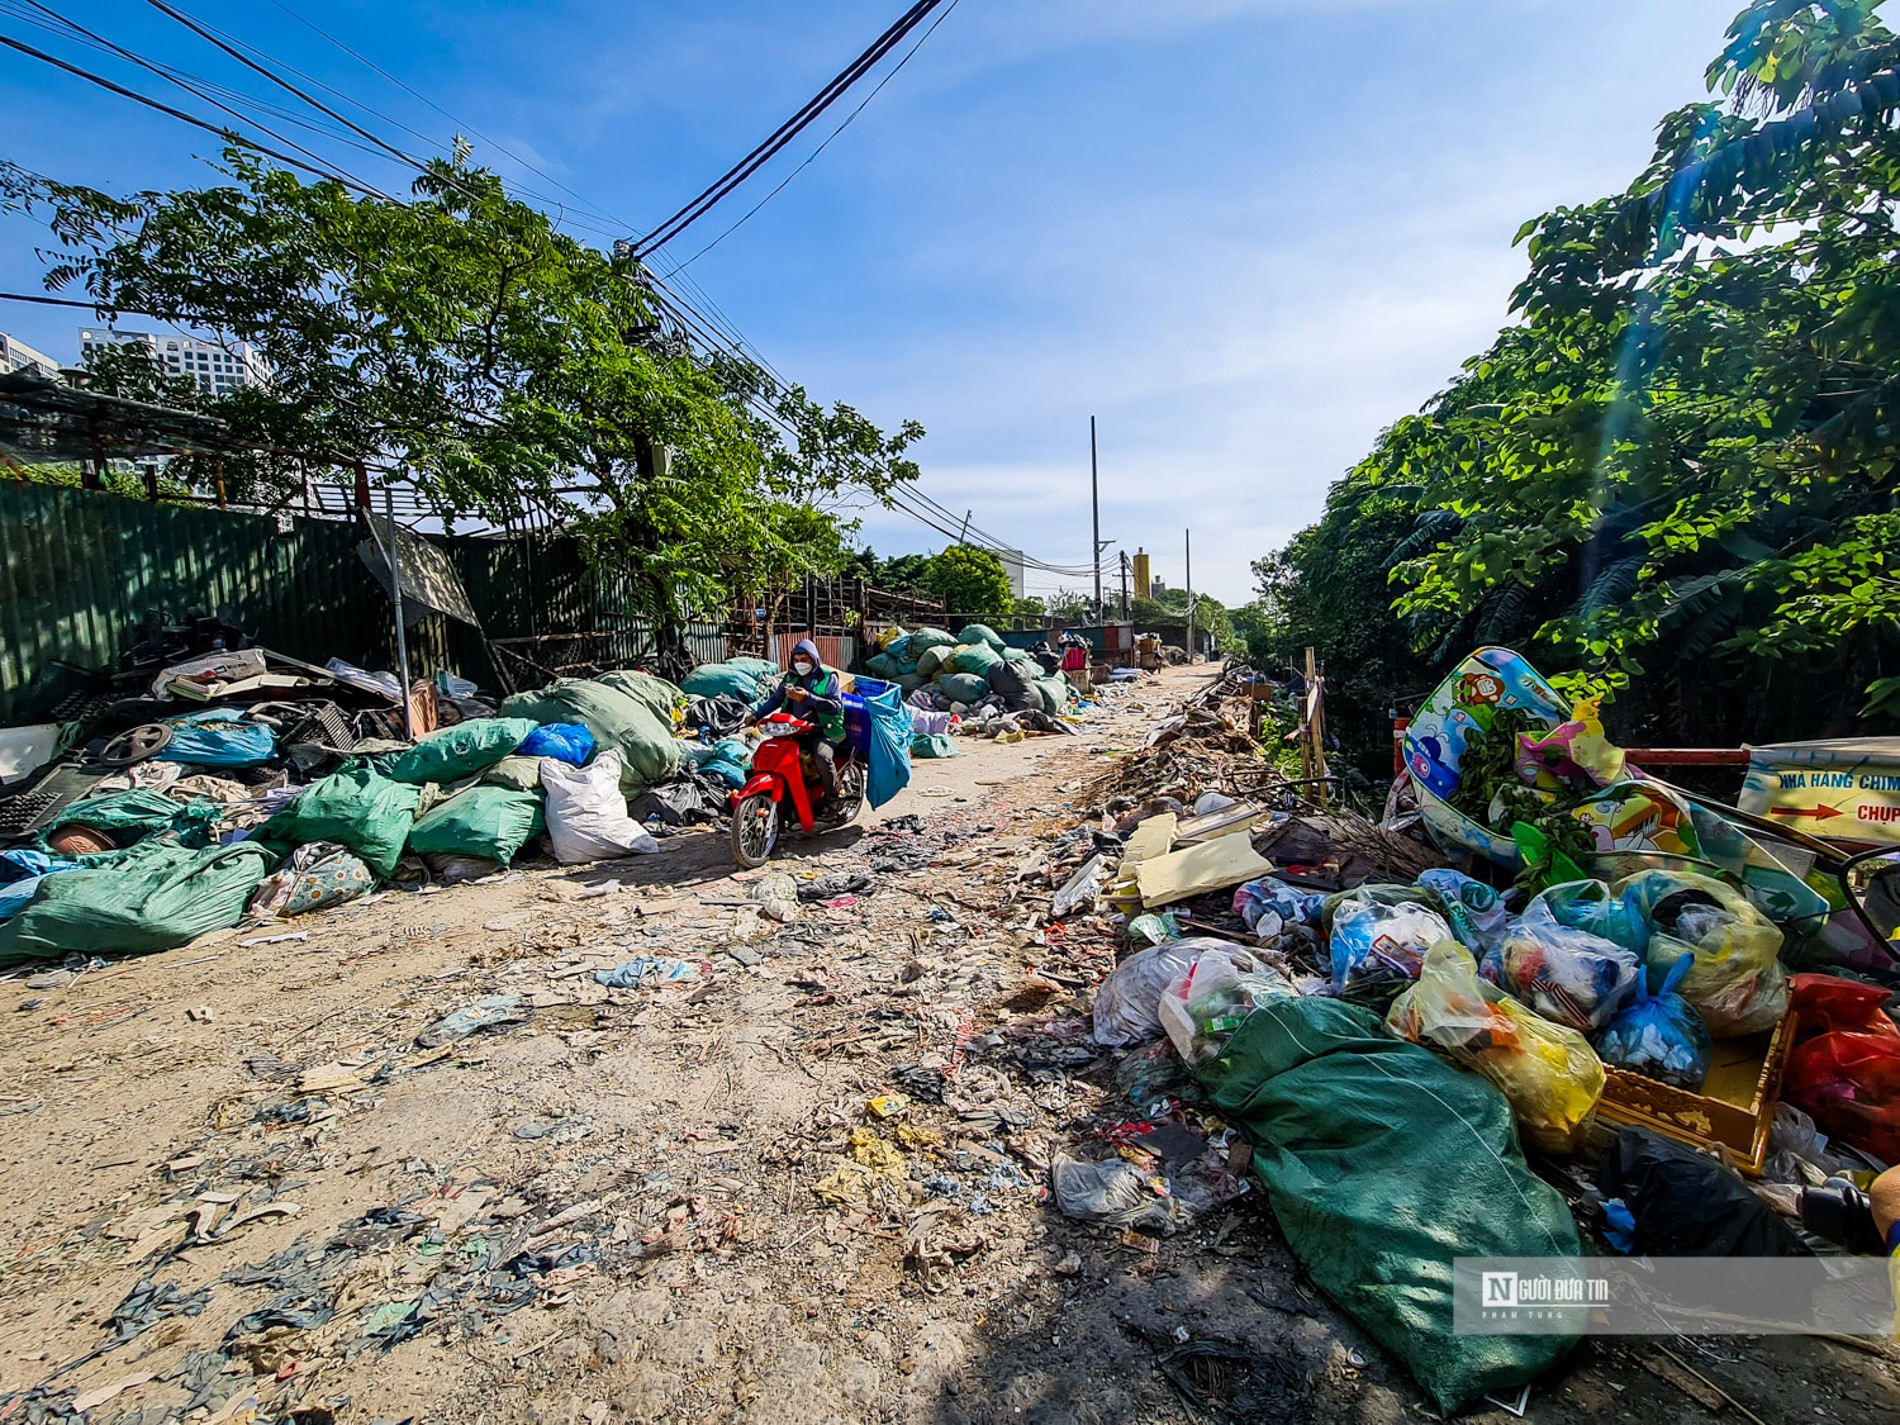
x,y
217,737
1565,974
569,742
1379,947
887,764
1660,1035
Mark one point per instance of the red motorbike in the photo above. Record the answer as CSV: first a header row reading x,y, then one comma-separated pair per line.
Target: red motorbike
x,y
782,773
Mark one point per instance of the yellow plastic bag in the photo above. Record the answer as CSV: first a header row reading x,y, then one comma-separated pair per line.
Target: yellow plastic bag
x,y
1549,1073
1736,983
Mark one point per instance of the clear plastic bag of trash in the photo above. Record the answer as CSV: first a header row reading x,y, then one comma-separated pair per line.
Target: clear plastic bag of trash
x,y
1294,906
1376,946
1127,1006
1736,984
1474,910
1547,1071
1209,1001
1593,906
1570,976
1114,1192
1660,1036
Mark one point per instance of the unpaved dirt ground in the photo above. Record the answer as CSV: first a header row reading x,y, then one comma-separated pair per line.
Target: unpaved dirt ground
x,y
236,1189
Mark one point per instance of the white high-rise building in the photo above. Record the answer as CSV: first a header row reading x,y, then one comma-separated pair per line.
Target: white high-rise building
x,y
216,368
16,355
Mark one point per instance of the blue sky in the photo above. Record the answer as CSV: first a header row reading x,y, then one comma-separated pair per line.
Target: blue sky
x,y
1244,234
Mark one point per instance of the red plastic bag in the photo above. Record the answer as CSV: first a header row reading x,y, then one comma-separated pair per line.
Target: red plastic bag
x,y
1844,1069
1825,1004
1850,1084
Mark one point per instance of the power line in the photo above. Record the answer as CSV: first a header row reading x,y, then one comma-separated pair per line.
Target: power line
x,y
786,131
908,56
423,98
48,301
230,135
420,165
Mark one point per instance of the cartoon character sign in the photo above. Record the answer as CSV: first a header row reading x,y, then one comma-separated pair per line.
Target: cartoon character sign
x,y
1480,689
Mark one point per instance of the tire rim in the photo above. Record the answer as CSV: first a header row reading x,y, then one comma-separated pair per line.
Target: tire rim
x,y
758,830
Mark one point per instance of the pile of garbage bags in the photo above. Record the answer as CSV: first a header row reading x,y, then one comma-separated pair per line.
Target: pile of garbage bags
x,y
184,849
959,672
1390,1096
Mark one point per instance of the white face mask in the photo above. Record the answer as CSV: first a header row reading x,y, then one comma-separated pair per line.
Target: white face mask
x,y
801,667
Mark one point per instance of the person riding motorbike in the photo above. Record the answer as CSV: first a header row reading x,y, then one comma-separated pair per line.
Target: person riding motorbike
x,y
813,692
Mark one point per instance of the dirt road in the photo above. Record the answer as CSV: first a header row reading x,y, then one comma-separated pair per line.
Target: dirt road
x,y
233,1176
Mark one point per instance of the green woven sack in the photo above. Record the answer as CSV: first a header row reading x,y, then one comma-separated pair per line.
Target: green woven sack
x,y
452,753
369,814
153,897
493,823
1383,1163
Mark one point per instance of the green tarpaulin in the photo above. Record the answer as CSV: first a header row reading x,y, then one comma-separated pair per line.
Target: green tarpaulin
x,y
153,897
1383,1163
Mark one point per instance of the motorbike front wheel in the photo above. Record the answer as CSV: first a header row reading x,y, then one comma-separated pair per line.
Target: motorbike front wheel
x,y
754,829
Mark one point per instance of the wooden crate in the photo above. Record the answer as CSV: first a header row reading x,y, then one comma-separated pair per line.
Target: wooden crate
x,y
1732,1116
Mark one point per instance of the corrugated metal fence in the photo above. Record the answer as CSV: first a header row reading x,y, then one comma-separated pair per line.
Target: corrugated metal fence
x,y
80,570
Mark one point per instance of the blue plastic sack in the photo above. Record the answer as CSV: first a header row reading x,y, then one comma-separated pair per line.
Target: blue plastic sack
x,y
731,762
218,737
21,871
887,762
1660,1035
569,742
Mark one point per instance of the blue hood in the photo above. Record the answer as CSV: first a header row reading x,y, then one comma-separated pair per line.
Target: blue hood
x,y
810,650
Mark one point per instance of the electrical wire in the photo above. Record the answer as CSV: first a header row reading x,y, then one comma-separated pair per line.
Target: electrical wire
x,y
727,340
230,135
370,64
787,131
419,165
750,212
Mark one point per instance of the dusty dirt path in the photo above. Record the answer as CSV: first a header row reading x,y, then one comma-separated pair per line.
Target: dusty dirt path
x,y
665,1203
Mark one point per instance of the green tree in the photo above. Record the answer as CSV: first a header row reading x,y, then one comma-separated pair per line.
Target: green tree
x,y
504,367
1675,475
972,582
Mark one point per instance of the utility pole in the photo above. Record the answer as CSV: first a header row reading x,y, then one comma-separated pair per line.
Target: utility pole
x,y
1124,558
1095,505
1187,536
963,536
394,554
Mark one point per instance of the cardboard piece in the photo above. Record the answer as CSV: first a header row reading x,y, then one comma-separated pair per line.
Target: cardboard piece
x,y
1154,837
1212,866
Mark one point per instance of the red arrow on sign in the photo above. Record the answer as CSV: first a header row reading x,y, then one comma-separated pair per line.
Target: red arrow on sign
x,y
1818,813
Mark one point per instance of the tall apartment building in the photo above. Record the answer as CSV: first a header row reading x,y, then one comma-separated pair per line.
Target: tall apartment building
x,y
16,355
216,368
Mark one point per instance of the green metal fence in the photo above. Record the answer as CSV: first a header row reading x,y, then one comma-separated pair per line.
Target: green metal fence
x,y
80,570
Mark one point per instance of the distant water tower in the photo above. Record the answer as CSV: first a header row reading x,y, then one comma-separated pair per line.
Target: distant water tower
x,y
1142,573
